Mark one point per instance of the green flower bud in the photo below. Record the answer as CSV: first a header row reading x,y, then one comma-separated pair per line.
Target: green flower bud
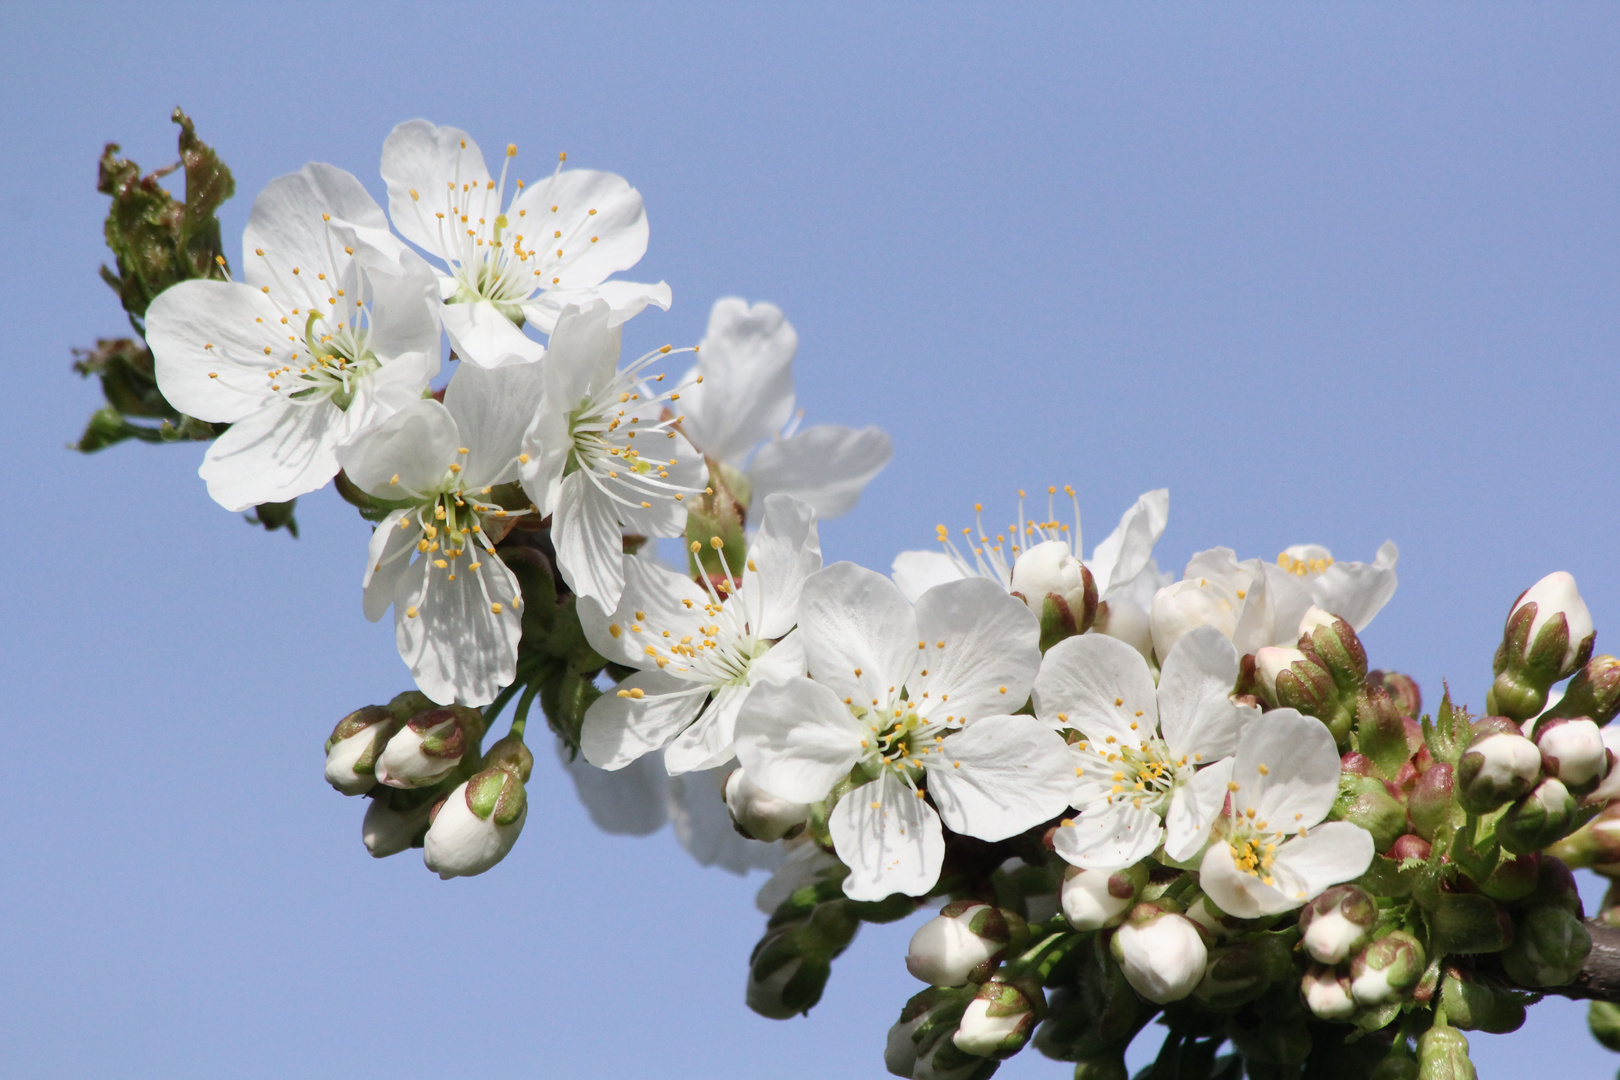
x,y
1594,692
351,752
1402,689
1474,1005
1541,817
1603,1017
1549,947
1514,877
1443,1055
789,967
944,1060
1096,1017
1397,1066
1497,768
1381,730
920,1020
1296,679
1387,969
1595,844
1548,636
1365,801
1469,923
1430,803
1102,1067
1237,974
1000,1018
1336,648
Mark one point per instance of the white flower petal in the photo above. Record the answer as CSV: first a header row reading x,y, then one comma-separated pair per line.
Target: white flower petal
x,y
746,396
1000,776
286,222
918,571
703,825
785,552
405,455
1193,809
619,729
589,543
1277,601
665,600
624,299
1287,770
797,739
629,802
583,355
826,466
481,335
1236,892
601,217
457,646
1109,836
708,743
387,557
890,840
1098,685
208,340
422,157
784,661
1196,712
1357,591
1126,550
280,452
851,621
492,410
990,655
1327,855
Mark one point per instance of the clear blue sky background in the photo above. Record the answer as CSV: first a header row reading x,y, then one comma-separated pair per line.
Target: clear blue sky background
x,y
1332,275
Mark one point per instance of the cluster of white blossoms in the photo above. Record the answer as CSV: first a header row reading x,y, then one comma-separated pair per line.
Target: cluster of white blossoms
x,y
1122,791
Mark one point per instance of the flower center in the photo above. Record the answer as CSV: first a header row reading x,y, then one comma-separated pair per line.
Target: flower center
x,y
607,424
1254,849
1144,775
994,558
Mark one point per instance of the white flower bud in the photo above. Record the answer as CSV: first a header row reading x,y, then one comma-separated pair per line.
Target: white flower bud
x,y
1327,993
1162,956
1271,661
386,831
1123,618
1188,604
1314,617
980,1033
900,1051
424,751
1573,750
477,825
1497,768
758,813
1094,899
351,752
1330,937
965,939
1553,595
1049,567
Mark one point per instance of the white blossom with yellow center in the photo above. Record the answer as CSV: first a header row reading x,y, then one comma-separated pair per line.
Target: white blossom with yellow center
x,y
1273,853
913,705
1151,763
604,454
333,329
700,646
457,607
513,263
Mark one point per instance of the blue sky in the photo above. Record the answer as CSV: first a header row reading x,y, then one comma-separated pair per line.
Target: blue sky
x,y
1331,275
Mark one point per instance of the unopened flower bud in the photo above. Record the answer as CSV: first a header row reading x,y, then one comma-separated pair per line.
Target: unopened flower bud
x,y
1474,1005
1399,1065
1297,680
1496,769
1468,923
1594,692
395,820
1102,1067
1603,1019
1094,899
944,1060
1381,729
1326,991
1058,589
1595,844
1429,803
1001,1017
918,1016
1443,1055
1573,751
965,941
477,825
759,814
1402,689
512,755
1237,974
1365,801
1337,923
429,747
1410,846
351,752
1549,947
1514,877
1187,604
1270,662
1334,645
1541,817
1384,971
1125,619
1548,636
1161,953
784,981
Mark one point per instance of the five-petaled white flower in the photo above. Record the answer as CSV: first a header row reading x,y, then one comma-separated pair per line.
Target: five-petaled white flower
x,y
457,606
583,465
1257,604
554,245
701,647
334,328
916,702
738,401
1153,764
1271,853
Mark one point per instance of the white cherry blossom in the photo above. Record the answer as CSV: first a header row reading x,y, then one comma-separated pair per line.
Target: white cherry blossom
x,y
456,606
333,328
919,700
1272,853
740,415
1257,604
507,264
1153,764
582,465
700,647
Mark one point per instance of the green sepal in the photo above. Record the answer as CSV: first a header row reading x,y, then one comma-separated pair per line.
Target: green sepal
x,y
1449,733
273,516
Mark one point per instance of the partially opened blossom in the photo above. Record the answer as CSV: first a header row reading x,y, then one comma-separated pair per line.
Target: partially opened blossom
x,y
1121,565
917,702
333,328
1153,763
1257,604
456,605
1273,853
700,647
512,263
738,400
582,465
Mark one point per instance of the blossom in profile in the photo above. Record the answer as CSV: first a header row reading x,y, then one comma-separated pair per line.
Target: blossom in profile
x,y
513,263
333,328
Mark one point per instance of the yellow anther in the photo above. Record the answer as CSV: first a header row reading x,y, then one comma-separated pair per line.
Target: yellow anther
x,y
410,612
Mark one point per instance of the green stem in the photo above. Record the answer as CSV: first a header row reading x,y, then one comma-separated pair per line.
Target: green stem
x,y
521,717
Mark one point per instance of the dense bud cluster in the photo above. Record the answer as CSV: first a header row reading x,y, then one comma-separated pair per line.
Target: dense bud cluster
x,y
1129,796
